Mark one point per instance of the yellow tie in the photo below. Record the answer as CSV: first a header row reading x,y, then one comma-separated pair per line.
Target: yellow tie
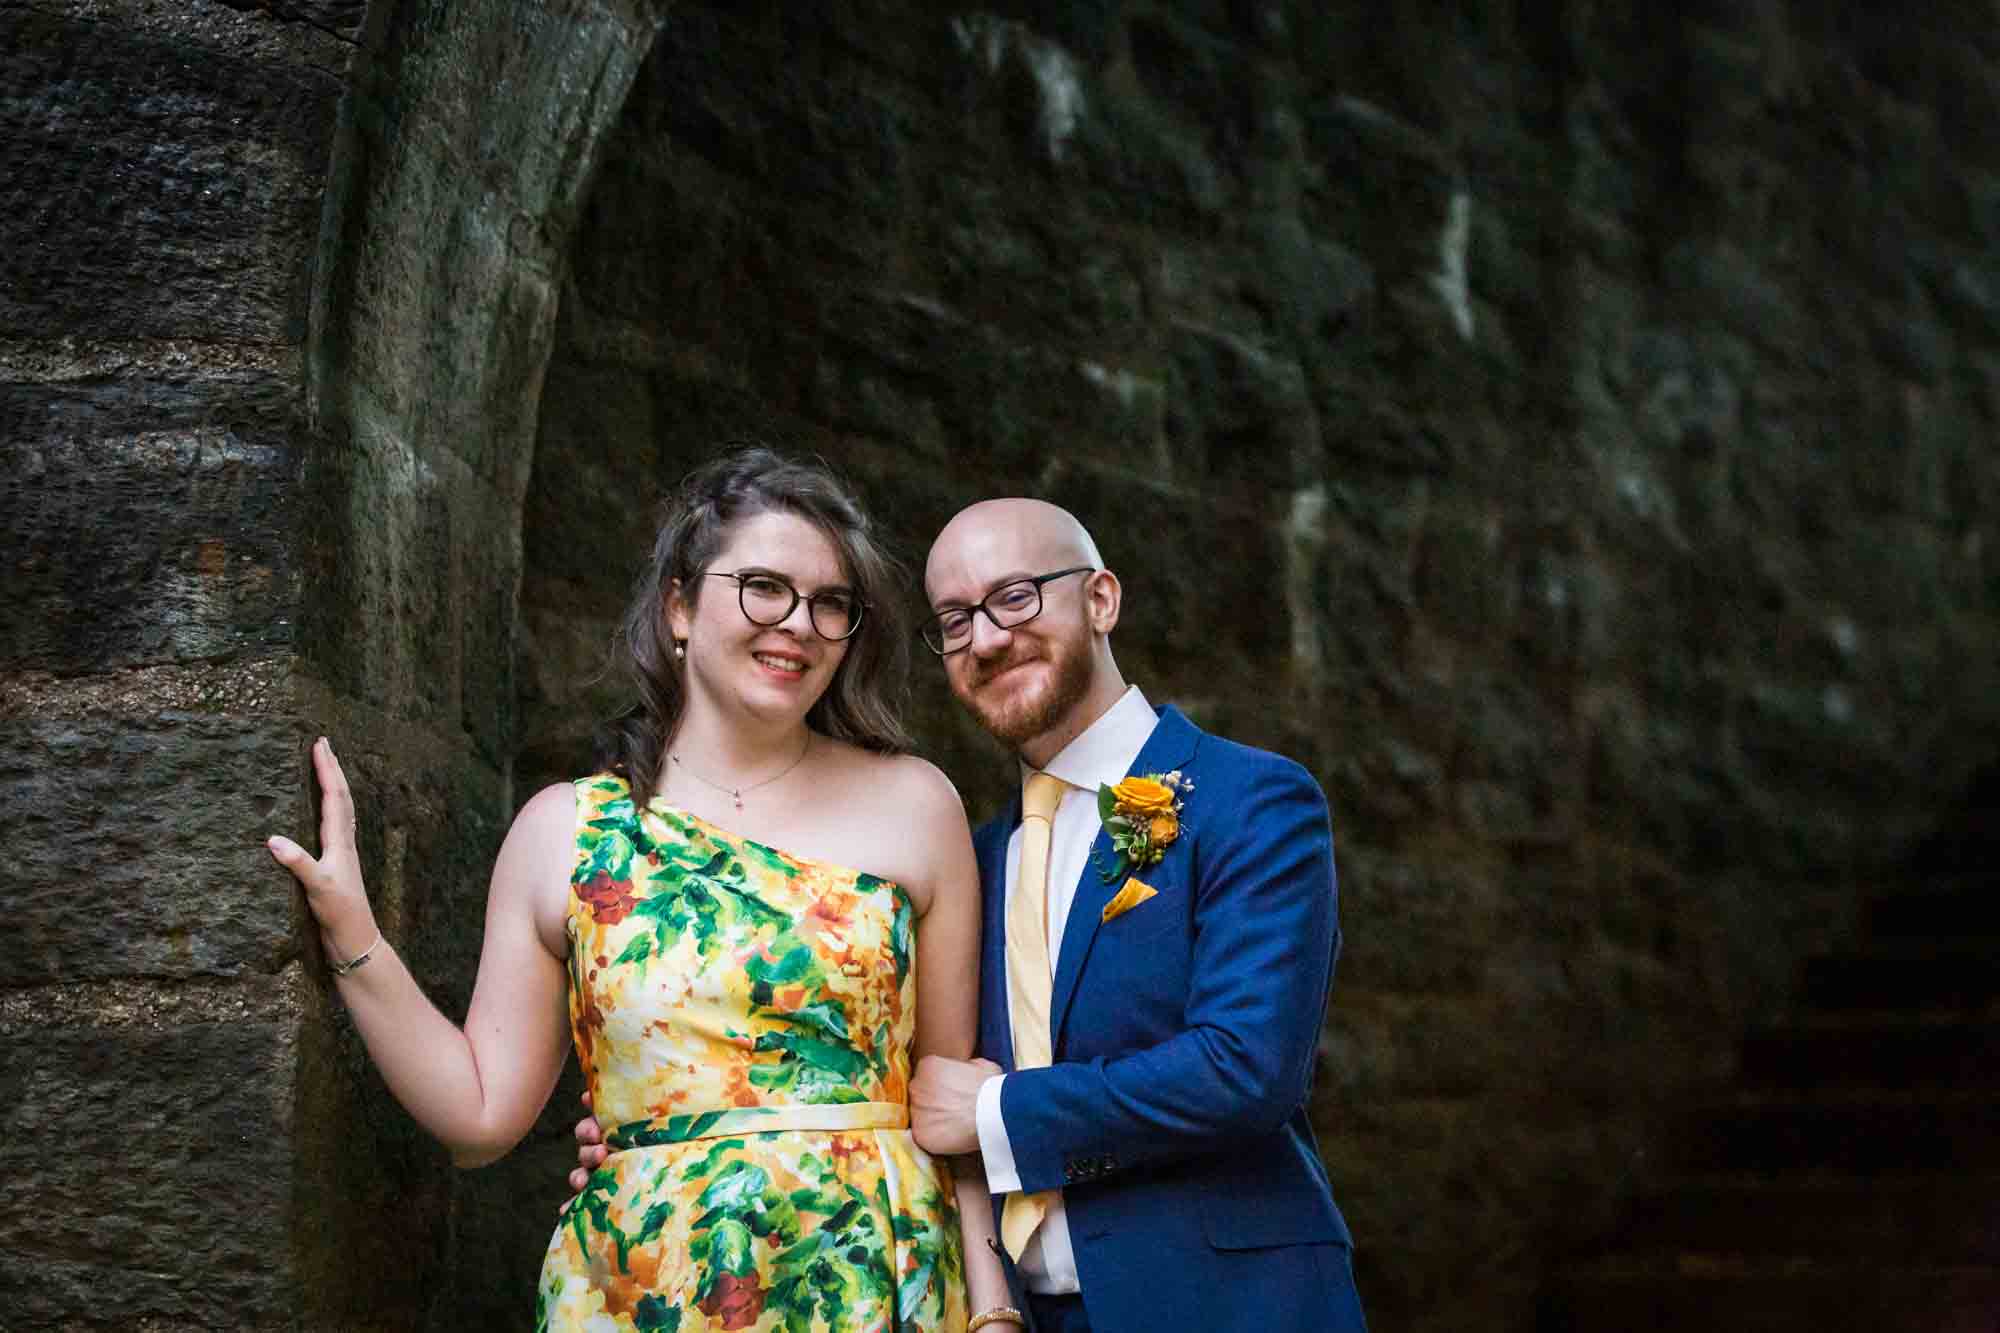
x,y
1030,978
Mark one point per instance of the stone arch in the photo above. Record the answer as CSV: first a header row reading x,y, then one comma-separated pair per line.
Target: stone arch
x,y
465,143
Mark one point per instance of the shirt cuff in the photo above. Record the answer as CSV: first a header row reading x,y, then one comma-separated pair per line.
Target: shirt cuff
x,y
996,1153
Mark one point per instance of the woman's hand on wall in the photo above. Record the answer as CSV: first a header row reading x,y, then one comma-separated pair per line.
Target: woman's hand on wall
x,y
334,892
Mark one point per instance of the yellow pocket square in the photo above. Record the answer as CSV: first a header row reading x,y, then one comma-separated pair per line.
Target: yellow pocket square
x,y
1135,892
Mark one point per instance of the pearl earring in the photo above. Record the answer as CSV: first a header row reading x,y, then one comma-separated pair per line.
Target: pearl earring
x,y
680,650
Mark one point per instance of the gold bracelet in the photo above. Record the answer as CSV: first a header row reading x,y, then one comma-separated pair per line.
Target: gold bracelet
x,y
342,969
999,1314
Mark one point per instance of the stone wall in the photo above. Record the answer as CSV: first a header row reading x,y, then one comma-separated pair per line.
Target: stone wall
x,y
159,203
1563,427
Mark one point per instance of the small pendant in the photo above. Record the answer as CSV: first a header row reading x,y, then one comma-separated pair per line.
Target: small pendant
x,y
739,799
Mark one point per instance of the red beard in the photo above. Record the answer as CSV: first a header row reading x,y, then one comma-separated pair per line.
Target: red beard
x,y
1021,718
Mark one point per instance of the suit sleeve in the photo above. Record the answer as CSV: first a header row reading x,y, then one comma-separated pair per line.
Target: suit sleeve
x,y
1266,934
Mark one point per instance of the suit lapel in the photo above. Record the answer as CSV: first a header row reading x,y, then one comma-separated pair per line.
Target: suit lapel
x,y
1171,746
998,1022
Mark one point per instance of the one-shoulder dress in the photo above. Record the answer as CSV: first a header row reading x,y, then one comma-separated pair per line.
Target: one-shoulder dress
x,y
743,1018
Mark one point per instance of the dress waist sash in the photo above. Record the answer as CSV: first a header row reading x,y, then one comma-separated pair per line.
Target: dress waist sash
x,y
832,1116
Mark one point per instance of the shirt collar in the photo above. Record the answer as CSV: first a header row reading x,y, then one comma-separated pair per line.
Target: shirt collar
x,y
1106,750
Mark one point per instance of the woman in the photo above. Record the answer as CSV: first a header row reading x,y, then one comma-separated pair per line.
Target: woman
x,y
721,920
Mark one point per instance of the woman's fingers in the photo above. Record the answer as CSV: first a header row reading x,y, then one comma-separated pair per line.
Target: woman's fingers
x,y
332,880
293,858
336,800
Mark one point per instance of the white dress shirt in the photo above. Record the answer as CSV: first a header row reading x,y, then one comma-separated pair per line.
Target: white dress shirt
x,y
1103,754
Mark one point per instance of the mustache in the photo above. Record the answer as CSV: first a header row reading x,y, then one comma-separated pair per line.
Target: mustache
x,y
986,671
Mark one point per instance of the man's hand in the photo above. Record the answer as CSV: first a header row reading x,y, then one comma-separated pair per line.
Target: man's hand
x,y
944,1097
590,1150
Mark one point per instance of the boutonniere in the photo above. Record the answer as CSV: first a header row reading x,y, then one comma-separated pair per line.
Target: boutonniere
x,y
1143,817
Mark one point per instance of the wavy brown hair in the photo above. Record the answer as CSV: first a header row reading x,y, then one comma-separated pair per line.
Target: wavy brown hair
x,y
862,704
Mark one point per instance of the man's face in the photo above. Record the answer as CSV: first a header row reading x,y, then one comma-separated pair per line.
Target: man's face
x,y
1020,682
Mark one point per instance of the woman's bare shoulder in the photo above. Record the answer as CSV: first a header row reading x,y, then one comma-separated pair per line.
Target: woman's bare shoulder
x,y
532,873
917,819
552,810
905,782
541,834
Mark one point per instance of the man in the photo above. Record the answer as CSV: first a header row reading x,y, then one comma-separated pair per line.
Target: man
x,y
1154,971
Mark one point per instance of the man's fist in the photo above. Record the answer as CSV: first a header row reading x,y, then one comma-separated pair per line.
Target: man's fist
x,y
944,1098
590,1150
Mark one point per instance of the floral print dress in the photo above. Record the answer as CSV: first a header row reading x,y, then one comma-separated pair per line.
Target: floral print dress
x,y
743,1018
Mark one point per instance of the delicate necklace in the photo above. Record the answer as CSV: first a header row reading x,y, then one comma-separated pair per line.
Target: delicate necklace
x,y
736,793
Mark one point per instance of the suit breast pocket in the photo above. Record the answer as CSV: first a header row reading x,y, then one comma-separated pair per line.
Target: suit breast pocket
x,y
1163,913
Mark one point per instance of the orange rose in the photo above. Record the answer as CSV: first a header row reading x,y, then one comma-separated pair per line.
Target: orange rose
x,y
1163,829
1143,797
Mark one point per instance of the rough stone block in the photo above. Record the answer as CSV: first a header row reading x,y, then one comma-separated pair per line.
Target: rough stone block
x,y
1001,250
719,272
589,518
145,521
1413,928
1395,178
145,1176
439,292
151,187
570,683
135,847
1136,159
1195,76
981,390
1240,415
1321,290
410,577
333,16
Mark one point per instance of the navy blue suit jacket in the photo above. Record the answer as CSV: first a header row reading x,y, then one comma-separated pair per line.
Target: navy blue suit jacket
x,y
1174,1115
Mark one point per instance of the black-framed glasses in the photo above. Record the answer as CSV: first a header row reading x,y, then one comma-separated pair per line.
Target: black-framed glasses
x,y
768,599
1007,606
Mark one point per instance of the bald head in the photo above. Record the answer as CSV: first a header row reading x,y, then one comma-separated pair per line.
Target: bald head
x,y
1035,668
999,539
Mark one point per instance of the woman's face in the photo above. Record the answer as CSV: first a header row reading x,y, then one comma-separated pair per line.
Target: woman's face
x,y
772,672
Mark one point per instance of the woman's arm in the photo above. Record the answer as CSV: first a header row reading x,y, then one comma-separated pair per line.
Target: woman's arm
x,y
479,1089
947,920
948,1006
985,1281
